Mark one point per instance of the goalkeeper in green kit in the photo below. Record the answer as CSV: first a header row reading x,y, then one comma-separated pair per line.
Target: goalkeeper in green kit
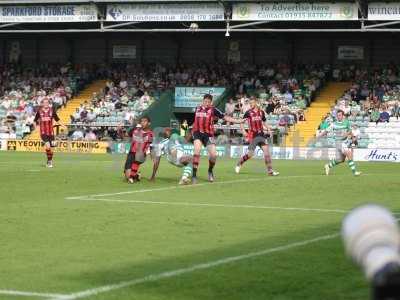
x,y
172,148
345,142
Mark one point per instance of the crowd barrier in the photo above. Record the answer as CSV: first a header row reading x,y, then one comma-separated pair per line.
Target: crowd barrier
x,y
287,153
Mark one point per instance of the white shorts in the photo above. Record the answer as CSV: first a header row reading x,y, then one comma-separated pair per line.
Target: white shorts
x,y
176,161
341,150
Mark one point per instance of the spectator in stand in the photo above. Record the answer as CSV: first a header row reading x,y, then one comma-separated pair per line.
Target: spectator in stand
x,y
76,117
91,116
270,106
288,97
384,116
396,109
78,135
245,104
83,114
30,121
301,116
230,107
222,138
23,89
62,135
184,128
90,135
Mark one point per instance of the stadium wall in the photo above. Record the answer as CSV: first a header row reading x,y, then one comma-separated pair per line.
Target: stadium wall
x,y
285,153
167,48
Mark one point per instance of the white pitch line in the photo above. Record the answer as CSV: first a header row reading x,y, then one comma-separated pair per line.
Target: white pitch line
x,y
216,205
178,272
31,294
202,184
192,186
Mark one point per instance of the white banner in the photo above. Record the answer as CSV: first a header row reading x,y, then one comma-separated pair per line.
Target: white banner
x,y
295,11
351,52
48,13
165,12
277,152
384,11
383,155
386,155
287,153
124,51
3,145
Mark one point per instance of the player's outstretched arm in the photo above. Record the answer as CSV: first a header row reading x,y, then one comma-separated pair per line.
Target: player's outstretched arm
x,y
233,120
267,128
322,133
58,120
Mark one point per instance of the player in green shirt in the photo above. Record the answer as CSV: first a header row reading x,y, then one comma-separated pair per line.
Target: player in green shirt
x,y
172,148
345,142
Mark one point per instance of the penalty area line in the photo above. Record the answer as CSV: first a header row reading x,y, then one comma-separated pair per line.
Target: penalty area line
x,y
215,205
190,269
193,186
178,187
31,294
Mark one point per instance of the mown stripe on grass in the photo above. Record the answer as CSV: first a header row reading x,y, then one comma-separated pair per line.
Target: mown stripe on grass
x,y
190,269
215,205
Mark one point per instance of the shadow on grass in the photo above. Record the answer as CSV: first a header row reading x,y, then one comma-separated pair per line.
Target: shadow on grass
x,y
314,271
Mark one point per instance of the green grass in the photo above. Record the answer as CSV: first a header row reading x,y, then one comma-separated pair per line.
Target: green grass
x,y
51,244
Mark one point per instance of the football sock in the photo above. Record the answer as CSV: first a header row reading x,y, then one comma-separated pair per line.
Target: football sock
x,y
352,165
211,164
268,162
243,159
187,171
196,160
134,169
333,163
49,154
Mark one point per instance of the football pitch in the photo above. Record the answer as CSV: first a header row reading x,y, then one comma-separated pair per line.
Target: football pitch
x,y
78,231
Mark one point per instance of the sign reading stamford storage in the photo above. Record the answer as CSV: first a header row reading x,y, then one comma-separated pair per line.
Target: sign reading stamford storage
x,y
48,13
61,146
294,11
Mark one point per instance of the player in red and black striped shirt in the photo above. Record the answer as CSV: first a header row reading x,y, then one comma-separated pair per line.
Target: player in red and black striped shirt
x,y
44,118
256,136
203,134
142,137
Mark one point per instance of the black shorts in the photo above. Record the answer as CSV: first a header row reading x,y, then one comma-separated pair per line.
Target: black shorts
x,y
258,139
48,139
205,138
130,159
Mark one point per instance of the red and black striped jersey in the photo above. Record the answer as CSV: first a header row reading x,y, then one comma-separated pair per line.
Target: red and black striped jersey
x,y
204,118
45,117
255,119
141,140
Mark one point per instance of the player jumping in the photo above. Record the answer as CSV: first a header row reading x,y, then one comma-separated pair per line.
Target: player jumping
x,y
255,117
345,141
142,137
203,134
44,118
172,148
